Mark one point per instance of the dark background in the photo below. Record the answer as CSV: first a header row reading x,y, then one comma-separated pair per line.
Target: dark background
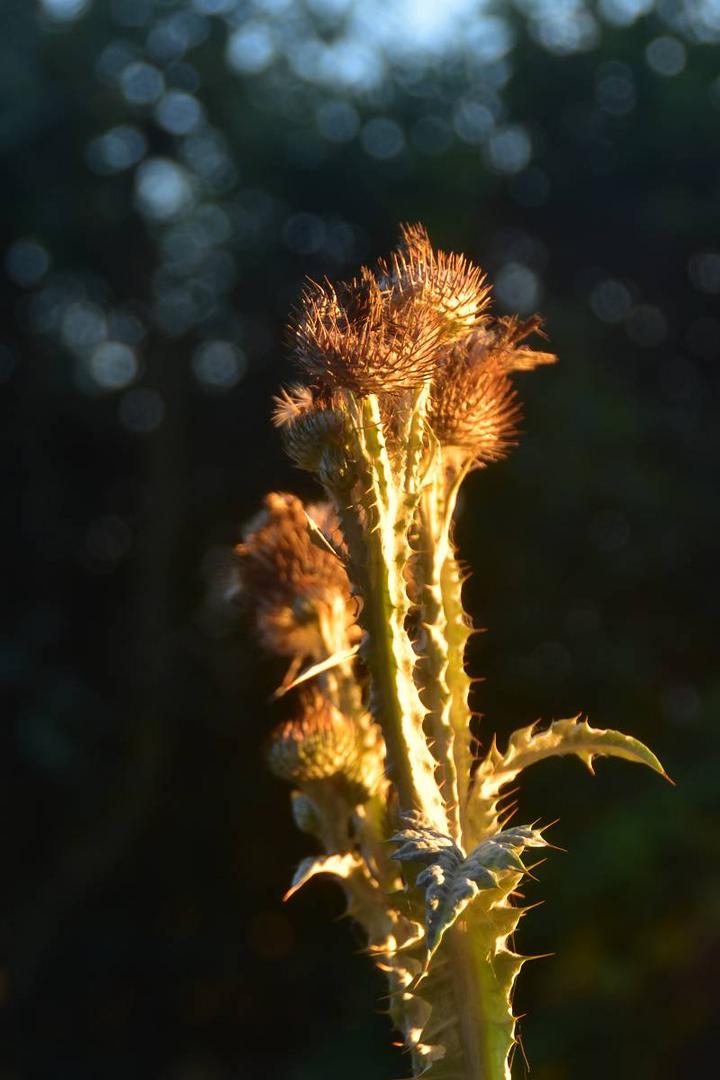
x,y
171,170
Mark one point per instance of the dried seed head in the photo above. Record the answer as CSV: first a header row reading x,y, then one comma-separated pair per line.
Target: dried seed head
x,y
323,744
314,429
357,339
473,407
298,591
447,284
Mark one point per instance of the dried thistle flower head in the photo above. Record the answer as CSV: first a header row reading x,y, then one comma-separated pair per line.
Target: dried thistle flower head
x,y
314,429
299,592
473,407
321,743
357,339
447,284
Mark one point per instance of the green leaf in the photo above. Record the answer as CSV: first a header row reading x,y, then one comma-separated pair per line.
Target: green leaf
x,y
452,879
573,736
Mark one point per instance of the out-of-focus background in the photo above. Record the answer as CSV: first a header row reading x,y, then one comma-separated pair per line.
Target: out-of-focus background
x,y
171,171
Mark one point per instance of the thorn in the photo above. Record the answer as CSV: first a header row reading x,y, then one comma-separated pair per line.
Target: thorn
x,y
549,825
534,866
531,907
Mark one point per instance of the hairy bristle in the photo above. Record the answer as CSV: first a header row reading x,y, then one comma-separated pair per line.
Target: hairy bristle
x,y
291,403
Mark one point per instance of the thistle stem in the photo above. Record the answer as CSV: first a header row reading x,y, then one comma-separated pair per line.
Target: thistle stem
x,y
433,666
482,1001
379,551
457,633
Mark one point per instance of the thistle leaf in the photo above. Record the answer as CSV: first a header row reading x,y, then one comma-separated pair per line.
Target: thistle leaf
x,y
452,879
342,866
572,736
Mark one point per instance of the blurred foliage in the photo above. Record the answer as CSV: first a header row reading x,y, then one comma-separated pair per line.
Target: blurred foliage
x,y
171,170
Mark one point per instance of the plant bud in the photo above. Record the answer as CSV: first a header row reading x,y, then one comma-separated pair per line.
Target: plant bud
x,y
311,423
358,339
297,590
318,745
447,284
322,744
472,408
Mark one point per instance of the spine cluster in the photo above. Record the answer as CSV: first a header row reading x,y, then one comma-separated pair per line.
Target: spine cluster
x,y
407,387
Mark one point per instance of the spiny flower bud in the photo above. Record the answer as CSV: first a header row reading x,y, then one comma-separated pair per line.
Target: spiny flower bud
x,y
318,745
357,339
473,408
314,429
473,405
324,744
446,283
299,592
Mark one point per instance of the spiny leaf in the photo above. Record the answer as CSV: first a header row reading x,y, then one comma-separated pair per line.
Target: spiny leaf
x,y
341,866
572,736
452,879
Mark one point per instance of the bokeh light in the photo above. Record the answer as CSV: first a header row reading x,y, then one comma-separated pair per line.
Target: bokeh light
x,y
27,262
62,11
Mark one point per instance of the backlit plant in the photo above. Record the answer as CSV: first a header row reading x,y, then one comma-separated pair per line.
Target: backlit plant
x,y
407,389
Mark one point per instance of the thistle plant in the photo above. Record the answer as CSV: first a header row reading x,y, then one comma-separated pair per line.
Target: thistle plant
x,y
407,389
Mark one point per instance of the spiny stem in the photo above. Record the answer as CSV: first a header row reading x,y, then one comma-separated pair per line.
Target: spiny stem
x,y
445,612
433,666
380,564
459,684
482,994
